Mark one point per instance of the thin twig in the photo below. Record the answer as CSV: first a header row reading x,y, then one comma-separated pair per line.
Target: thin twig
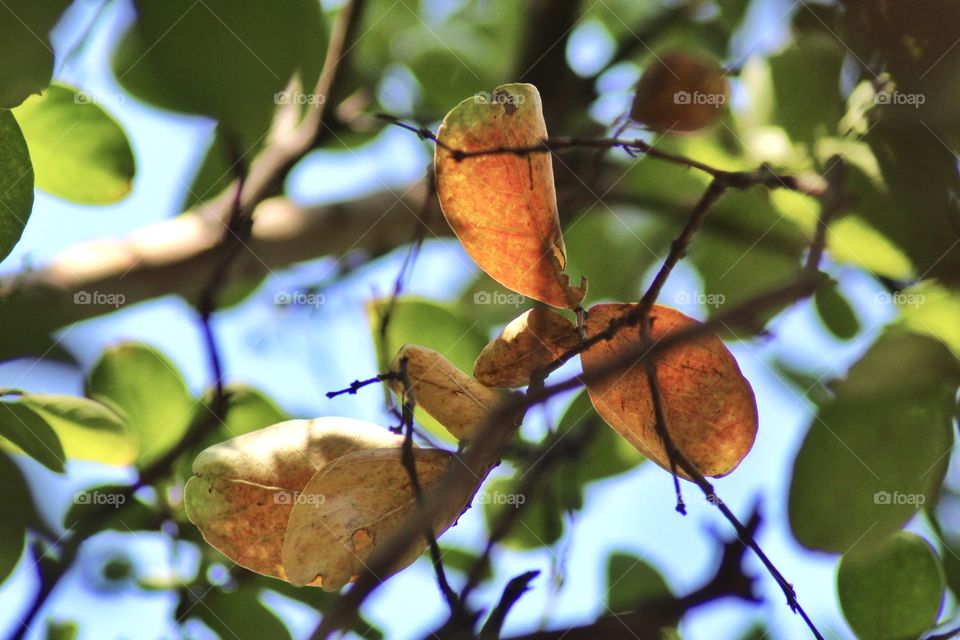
x,y
356,385
410,463
511,594
763,176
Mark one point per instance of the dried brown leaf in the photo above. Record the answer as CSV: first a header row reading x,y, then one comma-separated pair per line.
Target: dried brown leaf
x,y
452,397
244,489
530,342
352,504
709,407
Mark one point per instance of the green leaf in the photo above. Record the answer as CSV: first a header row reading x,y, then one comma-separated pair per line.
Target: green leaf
x,y
23,428
238,613
891,590
931,309
539,524
222,58
87,429
920,207
631,581
878,450
619,232
25,47
837,314
16,183
806,86
463,561
429,324
79,152
152,395
603,455
127,514
15,505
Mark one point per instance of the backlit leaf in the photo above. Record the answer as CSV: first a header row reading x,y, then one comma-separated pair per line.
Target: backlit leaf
x,y
79,152
709,406
503,207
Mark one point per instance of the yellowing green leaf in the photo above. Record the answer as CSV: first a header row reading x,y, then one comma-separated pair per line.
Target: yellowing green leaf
x,y
79,152
147,389
503,207
87,429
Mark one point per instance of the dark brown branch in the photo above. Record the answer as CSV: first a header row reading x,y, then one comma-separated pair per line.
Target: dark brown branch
x,y
511,594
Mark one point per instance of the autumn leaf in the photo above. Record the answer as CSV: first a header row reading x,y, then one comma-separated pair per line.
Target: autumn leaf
x,y
243,489
453,398
352,504
503,206
529,342
709,407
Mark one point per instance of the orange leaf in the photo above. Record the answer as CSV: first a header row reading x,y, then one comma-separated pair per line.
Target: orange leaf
x,y
530,342
709,407
503,207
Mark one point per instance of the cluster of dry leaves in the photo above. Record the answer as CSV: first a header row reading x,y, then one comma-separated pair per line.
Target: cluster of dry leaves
x,y
307,501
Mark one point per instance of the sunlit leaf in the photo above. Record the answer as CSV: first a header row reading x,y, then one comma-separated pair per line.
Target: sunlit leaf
x,y
503,207
714,433
16,183
146,387
87,429
931,309
79,152
28,432
891,590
